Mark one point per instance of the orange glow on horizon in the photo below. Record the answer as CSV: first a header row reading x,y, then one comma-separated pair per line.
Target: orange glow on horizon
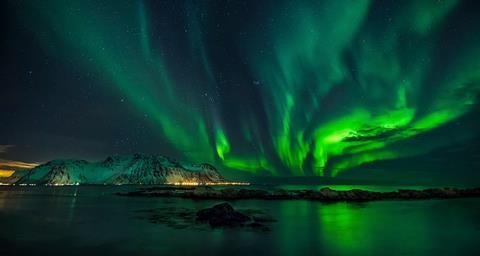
x,y
16,164
6,173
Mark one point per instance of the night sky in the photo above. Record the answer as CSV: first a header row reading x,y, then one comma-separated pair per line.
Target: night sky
x,y
381,90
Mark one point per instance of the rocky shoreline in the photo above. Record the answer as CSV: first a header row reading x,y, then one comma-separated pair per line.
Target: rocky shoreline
x,y
324,194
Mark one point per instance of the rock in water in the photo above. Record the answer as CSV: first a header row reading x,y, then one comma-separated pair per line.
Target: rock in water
x,y
222,215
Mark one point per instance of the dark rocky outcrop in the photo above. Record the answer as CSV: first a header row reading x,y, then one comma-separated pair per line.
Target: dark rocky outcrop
x,y
223,215
325,194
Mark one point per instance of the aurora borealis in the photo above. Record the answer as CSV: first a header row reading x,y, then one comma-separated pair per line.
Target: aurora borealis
x,y
282,88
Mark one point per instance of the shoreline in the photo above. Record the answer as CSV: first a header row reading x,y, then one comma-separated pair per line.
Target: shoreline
x,y
324,194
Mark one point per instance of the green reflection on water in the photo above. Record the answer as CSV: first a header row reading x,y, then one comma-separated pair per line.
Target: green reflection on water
x,y
342,223
359,228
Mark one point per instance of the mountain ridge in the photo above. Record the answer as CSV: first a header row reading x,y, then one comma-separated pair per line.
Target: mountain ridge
x,y
118,170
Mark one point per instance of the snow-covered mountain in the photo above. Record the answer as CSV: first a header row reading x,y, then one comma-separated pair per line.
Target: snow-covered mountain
x,y
131,169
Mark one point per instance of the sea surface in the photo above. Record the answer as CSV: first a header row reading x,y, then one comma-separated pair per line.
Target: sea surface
x,y
91,220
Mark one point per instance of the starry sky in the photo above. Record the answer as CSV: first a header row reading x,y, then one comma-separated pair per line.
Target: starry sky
x,y
357,89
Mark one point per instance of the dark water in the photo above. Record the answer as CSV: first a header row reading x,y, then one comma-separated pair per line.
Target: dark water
x,y
90,220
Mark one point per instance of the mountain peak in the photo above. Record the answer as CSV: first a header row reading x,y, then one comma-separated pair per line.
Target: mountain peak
x,y
138,168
